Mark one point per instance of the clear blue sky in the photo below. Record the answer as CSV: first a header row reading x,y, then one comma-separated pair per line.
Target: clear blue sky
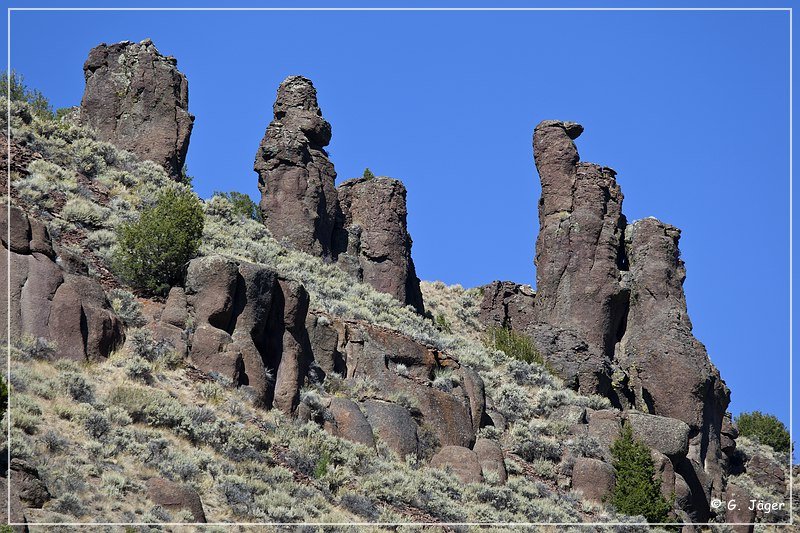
x,y
690,108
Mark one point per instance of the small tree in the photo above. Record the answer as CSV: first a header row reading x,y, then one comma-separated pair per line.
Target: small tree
x,y
152,252
766,429
14,86
637,491
243,205
368,174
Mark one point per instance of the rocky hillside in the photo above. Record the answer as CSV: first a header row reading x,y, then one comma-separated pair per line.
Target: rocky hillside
x,y
301,372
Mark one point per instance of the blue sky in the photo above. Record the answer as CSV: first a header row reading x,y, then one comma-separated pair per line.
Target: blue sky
x,y
690,108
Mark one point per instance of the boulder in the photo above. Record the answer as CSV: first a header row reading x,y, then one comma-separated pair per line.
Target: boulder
x,y
15,506
175,497
462,462
728,435
605,425
210,353
138,100
665,472
667,435
381,245
348,422
295,176
175,311
506,304
594,478
393,425
324,339
210,290
492,461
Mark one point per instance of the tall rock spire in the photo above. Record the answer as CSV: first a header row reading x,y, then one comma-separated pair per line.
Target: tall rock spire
x,y
295,176
138,100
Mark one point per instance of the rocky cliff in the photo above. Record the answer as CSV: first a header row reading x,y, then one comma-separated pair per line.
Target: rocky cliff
x,y
137,99
294,375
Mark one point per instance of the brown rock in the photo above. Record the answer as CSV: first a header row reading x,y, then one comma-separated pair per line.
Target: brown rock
x,y
492,461
580,245
767,473
324,340
137,99
295,177
594,478
605,425
175,310
20,229
506,304
382,245
26,483
16,507
669,369
210,353
175,497
349,422
742,514
393,425
462,462
291,350
210,290
665,472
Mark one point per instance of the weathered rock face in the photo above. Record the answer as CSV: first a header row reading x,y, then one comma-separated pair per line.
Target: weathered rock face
x,y
594,478
372,237
250,328
506,304
579,249
137,99
296,179
618,289
668,369
50,299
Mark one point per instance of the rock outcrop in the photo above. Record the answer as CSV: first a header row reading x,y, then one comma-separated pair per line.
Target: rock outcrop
x,y
51,296
295,176
373,242
619,289
362,224
138,100
506,304
175,497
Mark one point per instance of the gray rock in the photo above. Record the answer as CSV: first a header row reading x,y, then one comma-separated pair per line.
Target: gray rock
x,y
492,461
138,100
27,484
290,347
175,497
667,435
742,513
175,310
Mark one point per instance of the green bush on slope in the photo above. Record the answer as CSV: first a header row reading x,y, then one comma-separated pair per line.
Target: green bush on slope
x,y
765,428
152,252
637,491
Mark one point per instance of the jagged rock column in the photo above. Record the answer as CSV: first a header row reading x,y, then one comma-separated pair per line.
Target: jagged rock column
x,y
579,250
138,100
295,177
668,368
373,239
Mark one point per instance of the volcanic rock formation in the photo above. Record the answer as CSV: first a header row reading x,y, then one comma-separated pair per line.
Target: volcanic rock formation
x,y
138,100
295,177
51,295
373,239
362,224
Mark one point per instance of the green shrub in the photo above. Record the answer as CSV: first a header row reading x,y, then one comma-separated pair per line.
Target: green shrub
x,y
442,324
513,345
152,253
368,174
242,205
765,428
637,491
20,93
